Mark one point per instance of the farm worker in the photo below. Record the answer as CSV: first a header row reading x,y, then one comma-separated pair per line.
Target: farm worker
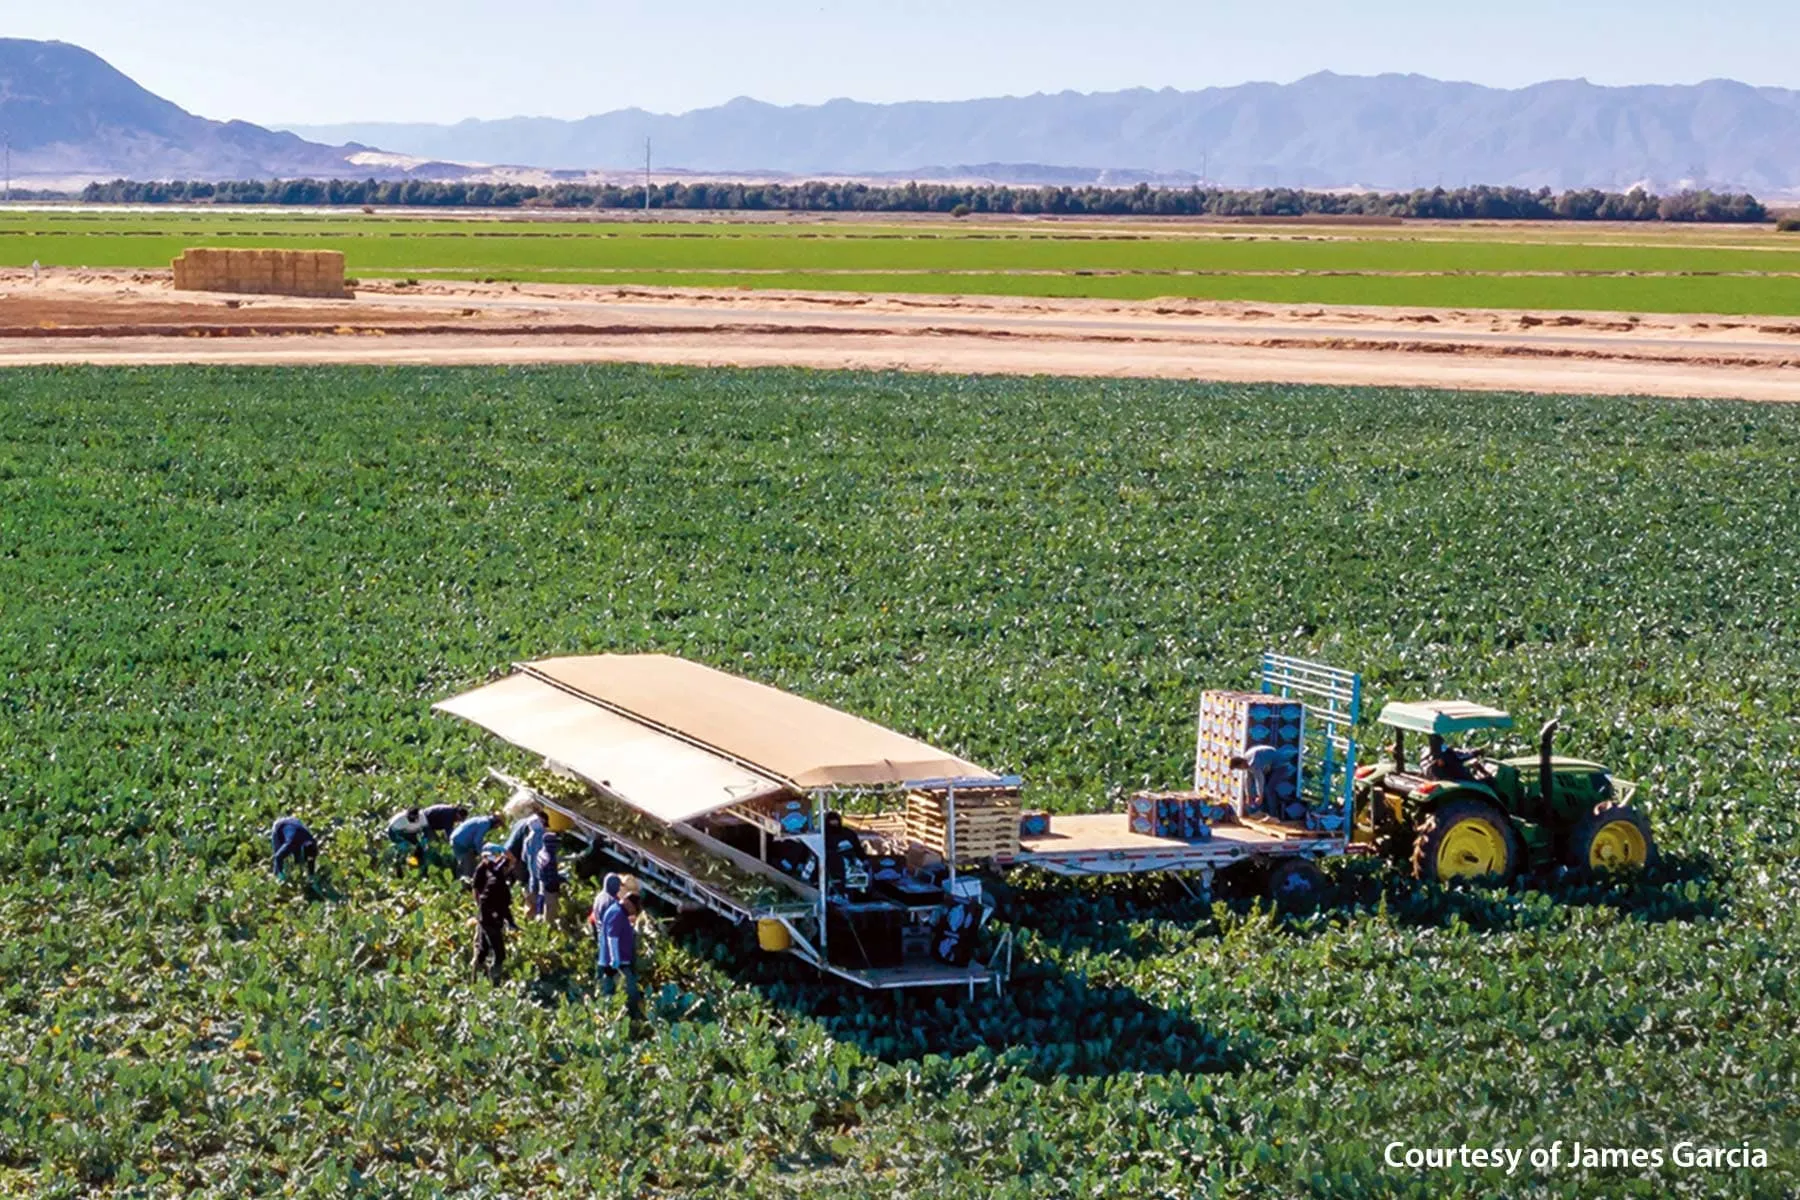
x,y
407,831
603,900
547,878
522,840
467,839
492,884
292,839
618,950
442,819
1445,762
1259,764
537,828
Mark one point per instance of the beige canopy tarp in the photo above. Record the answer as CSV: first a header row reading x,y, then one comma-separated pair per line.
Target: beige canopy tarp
x,y
808,744
661,775
678,739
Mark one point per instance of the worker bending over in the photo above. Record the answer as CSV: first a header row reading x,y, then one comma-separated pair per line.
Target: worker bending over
x,y
407,832
291,839
1260,765
467,839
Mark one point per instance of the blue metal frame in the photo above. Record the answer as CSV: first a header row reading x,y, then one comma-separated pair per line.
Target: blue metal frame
x,y
1334,698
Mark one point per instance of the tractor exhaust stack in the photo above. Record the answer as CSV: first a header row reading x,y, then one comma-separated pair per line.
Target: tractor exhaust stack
x,y
1546,736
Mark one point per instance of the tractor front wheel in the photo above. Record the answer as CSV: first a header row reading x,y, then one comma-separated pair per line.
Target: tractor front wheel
x,y
1465,839
1614,837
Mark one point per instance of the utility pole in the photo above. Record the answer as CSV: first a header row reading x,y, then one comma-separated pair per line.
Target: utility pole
x,y
646,176
6,140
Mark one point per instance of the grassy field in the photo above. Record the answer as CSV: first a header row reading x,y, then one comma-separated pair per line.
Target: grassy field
x,y
231,594
1649,269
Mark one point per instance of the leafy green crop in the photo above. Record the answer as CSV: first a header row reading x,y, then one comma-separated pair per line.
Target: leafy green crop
x,y
1660,270
230,594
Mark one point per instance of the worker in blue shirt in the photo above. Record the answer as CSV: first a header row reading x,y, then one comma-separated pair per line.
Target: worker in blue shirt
x,y
467,839
291,839
618,951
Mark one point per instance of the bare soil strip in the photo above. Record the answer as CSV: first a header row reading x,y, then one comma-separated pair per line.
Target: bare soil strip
x,y
135,317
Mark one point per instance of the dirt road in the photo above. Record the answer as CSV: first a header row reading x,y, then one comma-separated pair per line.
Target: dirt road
x,y
135,318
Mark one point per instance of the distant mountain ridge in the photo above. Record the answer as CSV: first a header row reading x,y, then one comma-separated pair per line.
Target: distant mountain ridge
x,y
68,114
70,117
1326,130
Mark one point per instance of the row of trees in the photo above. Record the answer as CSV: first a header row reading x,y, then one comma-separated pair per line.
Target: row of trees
x,y
1481,202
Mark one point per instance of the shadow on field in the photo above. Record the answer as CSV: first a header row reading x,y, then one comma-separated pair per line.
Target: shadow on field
x,y
1680,888
1131,918
1046,1023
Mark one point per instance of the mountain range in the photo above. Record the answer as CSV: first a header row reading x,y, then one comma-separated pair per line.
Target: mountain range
x,y
1326,130
70,117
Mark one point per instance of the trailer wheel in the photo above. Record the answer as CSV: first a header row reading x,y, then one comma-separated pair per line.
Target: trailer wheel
x,y
1296,883
1614,837
1466,838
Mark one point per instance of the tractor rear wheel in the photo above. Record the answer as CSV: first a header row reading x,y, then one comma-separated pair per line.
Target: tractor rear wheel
x,y
1614,837
1465,839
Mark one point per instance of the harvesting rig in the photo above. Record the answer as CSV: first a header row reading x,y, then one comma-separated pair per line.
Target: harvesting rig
x,y
863,851
765,808
1465,813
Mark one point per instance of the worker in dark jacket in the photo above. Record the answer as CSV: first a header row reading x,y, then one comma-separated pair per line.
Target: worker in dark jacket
x,y
492,885
291,839
441,819
618,951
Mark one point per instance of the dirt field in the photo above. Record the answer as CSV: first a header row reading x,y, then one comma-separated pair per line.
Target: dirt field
x,y
125,317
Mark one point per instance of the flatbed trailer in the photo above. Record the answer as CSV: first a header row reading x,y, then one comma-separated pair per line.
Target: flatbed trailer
x,y
1081,844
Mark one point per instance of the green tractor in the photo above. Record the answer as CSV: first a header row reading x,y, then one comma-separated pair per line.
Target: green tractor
x,y
1460,813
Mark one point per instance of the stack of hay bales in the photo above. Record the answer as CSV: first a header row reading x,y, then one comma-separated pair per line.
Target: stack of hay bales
x,y
262,272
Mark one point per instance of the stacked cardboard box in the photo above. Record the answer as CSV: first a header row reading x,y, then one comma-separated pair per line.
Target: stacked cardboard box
x,y
987,822
270,272
1189,816
1232,722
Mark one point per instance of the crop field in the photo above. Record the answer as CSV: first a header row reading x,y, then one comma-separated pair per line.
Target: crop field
x,y
1725,270
231,594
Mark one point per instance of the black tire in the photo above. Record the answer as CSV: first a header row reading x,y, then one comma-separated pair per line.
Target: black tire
x,y
1296,884
1593,830
1460,820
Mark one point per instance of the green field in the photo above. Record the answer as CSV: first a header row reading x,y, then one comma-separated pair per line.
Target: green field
x,y
231,594
1652,269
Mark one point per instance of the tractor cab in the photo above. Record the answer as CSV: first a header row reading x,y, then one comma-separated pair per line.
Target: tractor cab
x,y
1469,811
1438,721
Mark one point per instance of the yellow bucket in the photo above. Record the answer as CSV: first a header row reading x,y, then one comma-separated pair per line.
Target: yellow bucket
x,y
557,822
772,935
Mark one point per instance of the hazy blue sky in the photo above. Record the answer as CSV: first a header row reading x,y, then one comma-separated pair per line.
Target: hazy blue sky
x,y
316,61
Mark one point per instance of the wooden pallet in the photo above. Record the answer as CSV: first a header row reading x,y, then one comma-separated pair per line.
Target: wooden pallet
x,y
986,830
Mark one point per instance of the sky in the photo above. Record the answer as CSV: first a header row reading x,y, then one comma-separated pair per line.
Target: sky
x,y
325,61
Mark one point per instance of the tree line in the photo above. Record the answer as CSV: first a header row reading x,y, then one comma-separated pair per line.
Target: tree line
x,y
1463,203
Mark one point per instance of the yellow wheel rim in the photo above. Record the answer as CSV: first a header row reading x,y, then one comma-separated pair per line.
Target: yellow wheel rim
x,y
1618,846
1469,849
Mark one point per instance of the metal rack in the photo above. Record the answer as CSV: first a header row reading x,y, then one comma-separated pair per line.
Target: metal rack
x,y
1333,698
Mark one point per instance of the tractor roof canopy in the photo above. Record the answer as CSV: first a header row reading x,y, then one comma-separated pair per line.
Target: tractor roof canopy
x,y
1443,716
